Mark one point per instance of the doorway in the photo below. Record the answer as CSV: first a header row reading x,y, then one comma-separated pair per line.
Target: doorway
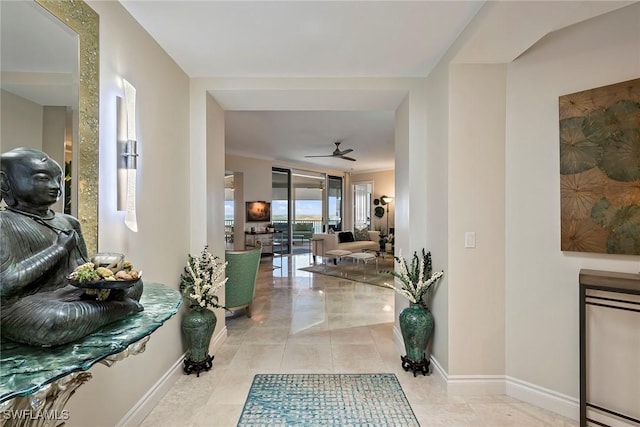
x,y
362,193
229,210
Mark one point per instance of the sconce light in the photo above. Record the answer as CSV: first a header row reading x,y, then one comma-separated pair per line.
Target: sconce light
x,y
127,162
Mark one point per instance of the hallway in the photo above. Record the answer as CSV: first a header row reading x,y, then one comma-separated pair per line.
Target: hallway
x,y
306,323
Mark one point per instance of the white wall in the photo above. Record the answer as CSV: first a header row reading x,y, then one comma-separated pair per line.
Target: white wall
x,y
161,245
215,176
476,204
215,203
21,122
383,184
511,304
54,130
541,281
436,214
411,199
402,138
28,124
257,177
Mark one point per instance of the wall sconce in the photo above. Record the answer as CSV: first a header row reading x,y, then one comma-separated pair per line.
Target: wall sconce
x,y
127,162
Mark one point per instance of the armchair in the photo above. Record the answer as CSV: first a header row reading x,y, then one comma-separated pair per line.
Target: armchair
x,y
241,271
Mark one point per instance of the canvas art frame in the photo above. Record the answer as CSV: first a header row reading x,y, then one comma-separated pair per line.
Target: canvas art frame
x,y
600,169
259,211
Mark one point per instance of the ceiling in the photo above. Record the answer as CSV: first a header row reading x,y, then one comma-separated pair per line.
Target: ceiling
x,y
304,38
307,39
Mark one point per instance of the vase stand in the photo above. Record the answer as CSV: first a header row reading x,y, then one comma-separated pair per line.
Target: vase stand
x,y
420,366
197,367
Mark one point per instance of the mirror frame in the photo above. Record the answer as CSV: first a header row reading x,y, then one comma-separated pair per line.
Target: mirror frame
x,y
84,21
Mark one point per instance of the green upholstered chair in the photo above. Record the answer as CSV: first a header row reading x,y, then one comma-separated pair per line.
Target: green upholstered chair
x,y
241,271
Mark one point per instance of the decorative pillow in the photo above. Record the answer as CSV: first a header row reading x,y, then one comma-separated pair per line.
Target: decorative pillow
x,y
345,236
361,234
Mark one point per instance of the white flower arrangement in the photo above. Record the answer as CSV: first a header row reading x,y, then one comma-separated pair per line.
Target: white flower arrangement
x,y
416,279
201,279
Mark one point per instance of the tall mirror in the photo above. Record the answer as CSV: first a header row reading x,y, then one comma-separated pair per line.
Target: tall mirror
x,y
50,95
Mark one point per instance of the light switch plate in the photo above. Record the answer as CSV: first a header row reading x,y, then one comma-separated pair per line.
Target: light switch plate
x,y
470,239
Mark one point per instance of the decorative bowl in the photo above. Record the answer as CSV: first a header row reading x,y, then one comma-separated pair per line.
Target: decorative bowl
x,y
110,260
106,284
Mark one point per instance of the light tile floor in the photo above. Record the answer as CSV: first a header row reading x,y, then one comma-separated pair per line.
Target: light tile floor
x,y
306,323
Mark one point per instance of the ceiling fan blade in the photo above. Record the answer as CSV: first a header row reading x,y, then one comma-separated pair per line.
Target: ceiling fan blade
x,y
339,153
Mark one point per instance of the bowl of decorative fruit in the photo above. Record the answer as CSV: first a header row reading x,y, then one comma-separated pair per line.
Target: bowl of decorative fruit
x,y
117,274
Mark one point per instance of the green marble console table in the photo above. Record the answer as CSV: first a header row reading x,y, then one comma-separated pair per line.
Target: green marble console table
x,y
36,383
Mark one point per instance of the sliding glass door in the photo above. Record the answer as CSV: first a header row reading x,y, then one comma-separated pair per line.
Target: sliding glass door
x,y
334,203
303,203
280,206
308,199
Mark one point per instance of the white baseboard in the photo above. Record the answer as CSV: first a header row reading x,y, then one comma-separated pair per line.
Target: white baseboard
x,y
466,385
501,384
543,397
438,371
397,339
145,405
218,340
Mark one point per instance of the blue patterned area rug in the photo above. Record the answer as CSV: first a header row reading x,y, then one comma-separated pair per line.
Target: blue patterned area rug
x,y
326,399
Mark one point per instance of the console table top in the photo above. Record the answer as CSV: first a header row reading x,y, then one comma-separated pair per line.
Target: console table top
x,y
26,369
610,281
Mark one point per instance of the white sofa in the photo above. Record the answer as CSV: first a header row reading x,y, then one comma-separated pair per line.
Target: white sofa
x,y
330,242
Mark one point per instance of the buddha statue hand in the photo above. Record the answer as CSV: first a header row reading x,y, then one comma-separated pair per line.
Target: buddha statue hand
x,y
67,239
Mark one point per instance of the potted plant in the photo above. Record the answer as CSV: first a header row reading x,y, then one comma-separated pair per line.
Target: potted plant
x,y
416,321
386,243
201,279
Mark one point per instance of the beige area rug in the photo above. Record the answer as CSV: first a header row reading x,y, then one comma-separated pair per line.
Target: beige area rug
x,y
349,270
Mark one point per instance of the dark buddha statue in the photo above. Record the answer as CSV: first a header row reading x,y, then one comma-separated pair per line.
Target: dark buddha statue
x,y
39,248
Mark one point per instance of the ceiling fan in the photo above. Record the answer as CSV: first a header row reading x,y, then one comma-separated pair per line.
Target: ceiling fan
x,y
339,153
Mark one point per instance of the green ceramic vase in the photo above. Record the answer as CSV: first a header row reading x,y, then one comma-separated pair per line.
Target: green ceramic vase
x,y
416,325
198,325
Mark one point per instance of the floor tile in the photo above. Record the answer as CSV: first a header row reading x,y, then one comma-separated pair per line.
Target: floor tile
x,y
311,323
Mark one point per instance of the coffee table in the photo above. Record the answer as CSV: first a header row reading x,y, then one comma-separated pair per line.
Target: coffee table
x,y
364,257
336,254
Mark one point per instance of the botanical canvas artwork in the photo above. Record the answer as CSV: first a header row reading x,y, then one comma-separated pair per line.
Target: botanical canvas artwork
x,y
600,169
